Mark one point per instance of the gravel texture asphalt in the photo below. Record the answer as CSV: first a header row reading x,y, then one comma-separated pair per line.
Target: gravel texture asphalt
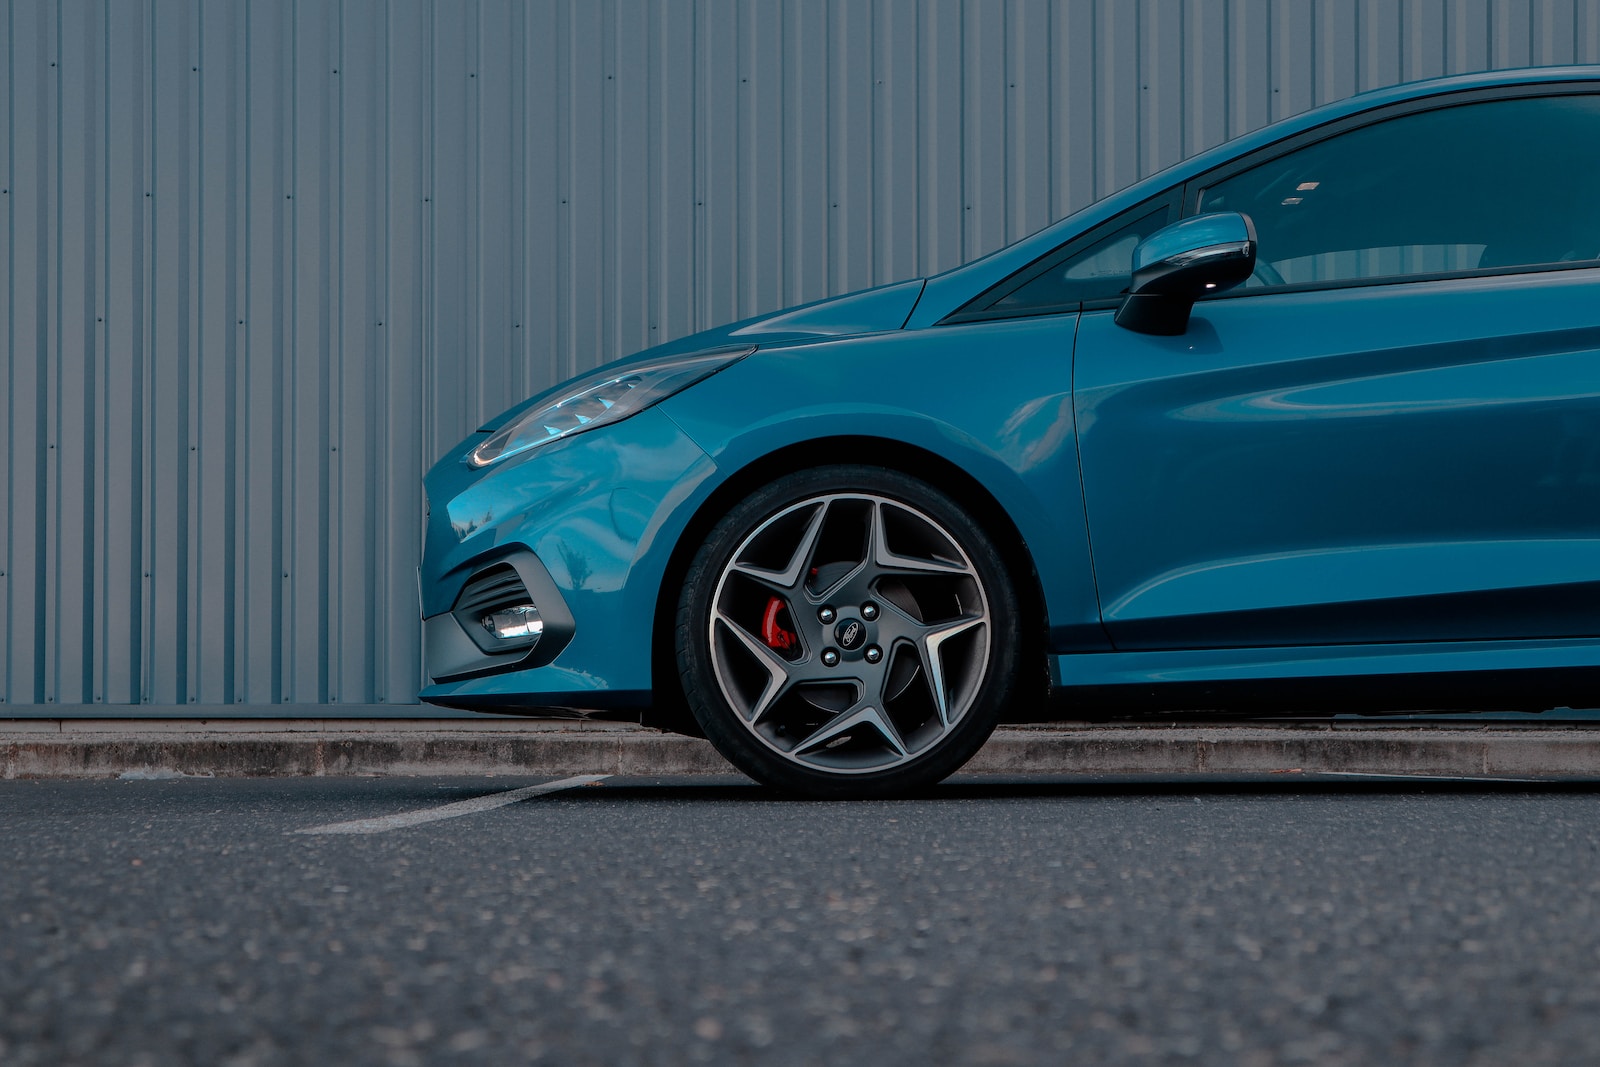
x,y
1264,920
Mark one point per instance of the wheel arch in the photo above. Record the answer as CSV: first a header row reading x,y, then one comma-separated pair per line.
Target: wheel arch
x,y
670,711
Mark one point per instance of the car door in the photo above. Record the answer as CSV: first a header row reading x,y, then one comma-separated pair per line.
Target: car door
x,y
1392,433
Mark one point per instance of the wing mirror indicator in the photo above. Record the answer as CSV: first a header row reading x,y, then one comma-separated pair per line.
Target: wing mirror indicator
x,y
1178,264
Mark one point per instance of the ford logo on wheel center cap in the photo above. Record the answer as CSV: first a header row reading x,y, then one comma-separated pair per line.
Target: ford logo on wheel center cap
x,y
850,634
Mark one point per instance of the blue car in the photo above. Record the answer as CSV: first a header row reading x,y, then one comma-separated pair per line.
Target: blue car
x,y
1309,420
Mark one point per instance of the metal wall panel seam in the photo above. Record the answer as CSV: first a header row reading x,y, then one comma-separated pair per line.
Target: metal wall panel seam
x,y
68,351
97,540
1378,43
291,351
375,373
628,147
1510,39
797,162
607,311
337,604
1161,63
288,345
428,322
381,582
894,144
39,579
104,622
561,279
49,354
8,393
541,224
219,359
1075,122
204,502
374,548
575,278
1205,86
145,280
151,323
192,288
401,339
73,411
759,275
471,233
275,307
351,552
357,553
256,573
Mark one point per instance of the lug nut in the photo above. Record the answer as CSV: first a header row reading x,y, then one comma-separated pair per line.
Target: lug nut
x,y
826,615
874,653
830,658
869,611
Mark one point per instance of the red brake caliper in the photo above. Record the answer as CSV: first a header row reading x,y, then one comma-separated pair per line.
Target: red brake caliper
x,y
772,631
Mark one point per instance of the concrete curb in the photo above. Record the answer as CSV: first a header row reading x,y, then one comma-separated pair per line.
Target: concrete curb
x,y
66,749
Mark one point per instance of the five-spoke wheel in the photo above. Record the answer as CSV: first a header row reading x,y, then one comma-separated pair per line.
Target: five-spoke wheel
x,y
847,631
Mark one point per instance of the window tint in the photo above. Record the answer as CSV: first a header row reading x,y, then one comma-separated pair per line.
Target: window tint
x,y
1499,184
1068,277
1099,271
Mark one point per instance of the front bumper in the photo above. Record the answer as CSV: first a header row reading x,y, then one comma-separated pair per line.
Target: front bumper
x,y
588,524
456,644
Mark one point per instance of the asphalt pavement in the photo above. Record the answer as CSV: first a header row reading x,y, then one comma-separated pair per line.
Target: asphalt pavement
x,y
1262,919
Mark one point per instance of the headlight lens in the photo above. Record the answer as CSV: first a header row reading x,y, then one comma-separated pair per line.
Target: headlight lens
x,y
608,395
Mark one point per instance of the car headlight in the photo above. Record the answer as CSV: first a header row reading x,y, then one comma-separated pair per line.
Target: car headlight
x,y
608,395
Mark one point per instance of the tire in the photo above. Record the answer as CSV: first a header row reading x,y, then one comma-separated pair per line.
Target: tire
x,y
847,631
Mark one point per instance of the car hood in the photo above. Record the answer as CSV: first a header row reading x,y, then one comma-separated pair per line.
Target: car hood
x,y
886,307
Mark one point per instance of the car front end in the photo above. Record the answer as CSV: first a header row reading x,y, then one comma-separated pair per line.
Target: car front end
x,y
553,515
550,529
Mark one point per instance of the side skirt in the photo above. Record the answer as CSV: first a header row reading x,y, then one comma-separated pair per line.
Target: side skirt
x,y
1441,676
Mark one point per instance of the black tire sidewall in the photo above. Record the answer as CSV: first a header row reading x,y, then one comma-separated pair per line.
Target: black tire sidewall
x,y
722,724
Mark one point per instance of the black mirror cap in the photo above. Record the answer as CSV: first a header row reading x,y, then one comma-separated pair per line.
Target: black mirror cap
x,y
1163,292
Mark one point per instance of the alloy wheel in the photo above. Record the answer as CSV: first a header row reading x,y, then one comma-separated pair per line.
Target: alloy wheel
x,y
849,633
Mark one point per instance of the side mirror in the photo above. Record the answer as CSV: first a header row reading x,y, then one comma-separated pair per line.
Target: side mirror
x,y
1178,264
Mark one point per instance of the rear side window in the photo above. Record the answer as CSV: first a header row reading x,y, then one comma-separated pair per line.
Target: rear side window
x,y
1504,185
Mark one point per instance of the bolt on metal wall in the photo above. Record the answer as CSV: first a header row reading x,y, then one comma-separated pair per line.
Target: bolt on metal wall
x,y
263,262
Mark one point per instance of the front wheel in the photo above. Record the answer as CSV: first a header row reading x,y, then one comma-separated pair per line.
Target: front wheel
x,y
847,631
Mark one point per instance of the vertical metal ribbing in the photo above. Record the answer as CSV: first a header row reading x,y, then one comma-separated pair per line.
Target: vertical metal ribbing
x,y
245,300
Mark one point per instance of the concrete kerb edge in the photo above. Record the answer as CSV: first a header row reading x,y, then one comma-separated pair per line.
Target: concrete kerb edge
x,y
1068,750
301,755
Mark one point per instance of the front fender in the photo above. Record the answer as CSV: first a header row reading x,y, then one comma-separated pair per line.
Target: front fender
x,y
1009,426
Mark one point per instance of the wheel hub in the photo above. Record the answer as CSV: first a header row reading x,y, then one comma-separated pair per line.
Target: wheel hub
x,y
850,634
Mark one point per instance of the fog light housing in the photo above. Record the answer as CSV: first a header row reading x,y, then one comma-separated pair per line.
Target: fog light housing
x,y
508,616
520,623
499,612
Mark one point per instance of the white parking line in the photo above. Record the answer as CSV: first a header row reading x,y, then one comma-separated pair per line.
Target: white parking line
x,y
450,811
1429,777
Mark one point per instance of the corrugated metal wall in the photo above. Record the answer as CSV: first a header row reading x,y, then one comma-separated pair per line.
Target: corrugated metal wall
x,y
262,262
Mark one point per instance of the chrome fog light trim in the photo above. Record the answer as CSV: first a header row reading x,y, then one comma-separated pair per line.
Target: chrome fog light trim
x,y
520,622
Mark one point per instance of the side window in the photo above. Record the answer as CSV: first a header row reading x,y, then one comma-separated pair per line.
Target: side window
x,y
1095,267
1503,184
1099,271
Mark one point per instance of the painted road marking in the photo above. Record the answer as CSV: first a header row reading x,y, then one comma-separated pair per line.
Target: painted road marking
x,y
1430,777
450,811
